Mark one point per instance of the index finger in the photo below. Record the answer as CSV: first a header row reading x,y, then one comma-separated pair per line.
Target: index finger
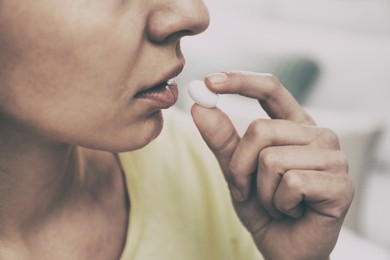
x,y
266,88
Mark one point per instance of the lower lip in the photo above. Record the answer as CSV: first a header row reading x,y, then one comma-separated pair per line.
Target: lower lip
x,y
162,96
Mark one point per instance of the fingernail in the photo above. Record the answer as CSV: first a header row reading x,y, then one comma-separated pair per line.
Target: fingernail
x,y
237,195
217,78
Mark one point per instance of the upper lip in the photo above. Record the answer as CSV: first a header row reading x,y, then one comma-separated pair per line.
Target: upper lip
x,y
170,74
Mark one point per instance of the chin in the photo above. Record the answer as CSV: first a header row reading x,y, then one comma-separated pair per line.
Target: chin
x,y
140,142
131,139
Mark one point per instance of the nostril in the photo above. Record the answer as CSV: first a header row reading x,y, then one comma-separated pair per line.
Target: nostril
x,y
173,22
171,37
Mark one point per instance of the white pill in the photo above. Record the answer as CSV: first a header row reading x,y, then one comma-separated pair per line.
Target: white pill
x,y
201,94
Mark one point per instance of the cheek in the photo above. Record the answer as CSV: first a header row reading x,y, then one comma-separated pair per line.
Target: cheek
x,y
73,80
60,50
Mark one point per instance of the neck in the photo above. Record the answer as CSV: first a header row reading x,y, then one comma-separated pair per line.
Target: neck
x,y
36,177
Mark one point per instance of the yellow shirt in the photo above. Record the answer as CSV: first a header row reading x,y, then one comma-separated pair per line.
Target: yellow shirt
x,y
180,205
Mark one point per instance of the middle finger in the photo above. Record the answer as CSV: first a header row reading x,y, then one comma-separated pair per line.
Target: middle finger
x,y
264,133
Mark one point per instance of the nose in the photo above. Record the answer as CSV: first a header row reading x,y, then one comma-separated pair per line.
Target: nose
x,y
172,19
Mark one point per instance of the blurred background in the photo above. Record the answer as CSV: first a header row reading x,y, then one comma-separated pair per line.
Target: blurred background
x,y
334,57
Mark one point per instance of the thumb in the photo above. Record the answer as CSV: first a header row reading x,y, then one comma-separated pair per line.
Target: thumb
x,y
219,134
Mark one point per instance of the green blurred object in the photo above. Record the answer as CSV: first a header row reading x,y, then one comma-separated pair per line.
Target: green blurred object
x,y
297,73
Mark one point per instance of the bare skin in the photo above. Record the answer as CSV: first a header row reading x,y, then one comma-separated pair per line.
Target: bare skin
x,y
70,208
72,74
288,179
69,75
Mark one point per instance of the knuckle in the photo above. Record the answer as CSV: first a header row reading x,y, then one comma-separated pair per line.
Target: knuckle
x,y
292,181
274,85
268,159
234,72
236,75
231,74
273,81
278,203
258,126
328,136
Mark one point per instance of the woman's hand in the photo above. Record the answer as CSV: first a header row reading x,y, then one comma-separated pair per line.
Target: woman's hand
x,y
288,178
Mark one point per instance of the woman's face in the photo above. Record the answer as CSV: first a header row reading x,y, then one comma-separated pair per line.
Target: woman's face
x,y
93,73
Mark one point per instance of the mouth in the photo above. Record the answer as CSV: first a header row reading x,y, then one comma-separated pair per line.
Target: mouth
x,y
164,94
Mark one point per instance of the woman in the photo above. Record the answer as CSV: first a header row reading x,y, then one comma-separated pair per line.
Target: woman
x,y
82,87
